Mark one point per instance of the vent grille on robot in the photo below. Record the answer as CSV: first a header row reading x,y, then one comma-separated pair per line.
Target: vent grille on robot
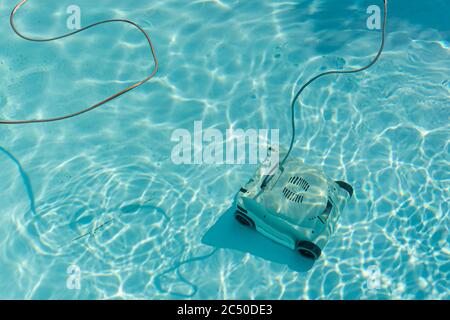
x,y
299,181
295,196
292,196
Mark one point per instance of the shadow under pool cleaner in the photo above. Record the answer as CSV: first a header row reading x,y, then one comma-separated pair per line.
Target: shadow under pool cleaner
x,y
292,203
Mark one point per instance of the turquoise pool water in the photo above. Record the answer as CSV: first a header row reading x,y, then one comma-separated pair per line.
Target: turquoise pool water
x,y
98,196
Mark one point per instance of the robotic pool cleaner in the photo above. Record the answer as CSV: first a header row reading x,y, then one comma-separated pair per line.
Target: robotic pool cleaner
x,y
298,208
297,205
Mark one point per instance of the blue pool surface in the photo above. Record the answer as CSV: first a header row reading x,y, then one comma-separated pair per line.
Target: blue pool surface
x,y
99,194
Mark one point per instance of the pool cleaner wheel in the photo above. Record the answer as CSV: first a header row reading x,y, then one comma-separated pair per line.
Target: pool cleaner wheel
x,y
309,250
244,219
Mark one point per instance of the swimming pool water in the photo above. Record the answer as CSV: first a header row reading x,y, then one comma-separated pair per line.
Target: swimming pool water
x,y
98,195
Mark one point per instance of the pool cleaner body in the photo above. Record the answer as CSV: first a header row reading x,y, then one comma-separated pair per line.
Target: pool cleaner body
x,y
299,208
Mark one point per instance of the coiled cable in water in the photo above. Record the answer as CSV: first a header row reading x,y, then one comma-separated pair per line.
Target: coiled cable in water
x,y
98,104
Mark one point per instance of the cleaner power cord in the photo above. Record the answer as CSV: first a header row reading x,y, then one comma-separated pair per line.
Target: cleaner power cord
x,y
98,104
268,178
75,114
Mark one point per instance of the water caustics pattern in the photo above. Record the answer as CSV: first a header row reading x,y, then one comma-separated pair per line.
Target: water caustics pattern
x,y
100,191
